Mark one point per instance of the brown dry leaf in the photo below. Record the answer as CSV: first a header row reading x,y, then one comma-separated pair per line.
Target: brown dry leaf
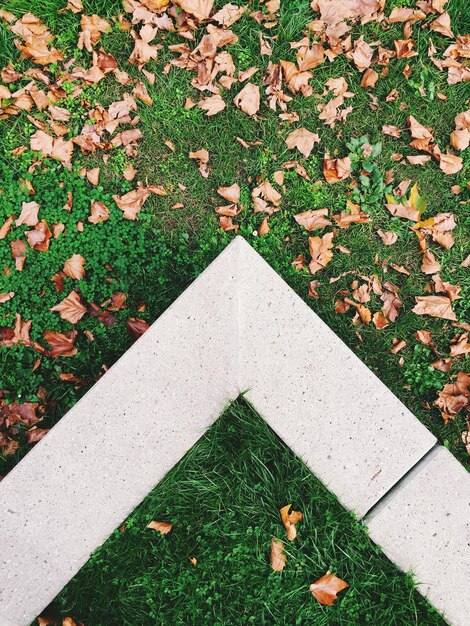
x,y
264,228
442,25
39,238
435,306
203,157
74,267
143,52
136,327
265,47
303,140
248,99
459,345
71,308
429,264
450,163
321,252
201,9
290,518
392,131
231,194
213,105
92,27
311,220
295,79
132,202
406,211
93,175
278,558
369,79
380,321
29,214
62,344
362,54
454,396
161,527
404,48
388,237
141,93
18,252
397,345
99,212
335,170
423,336
75,6
6,227
326,588
4,297
228,14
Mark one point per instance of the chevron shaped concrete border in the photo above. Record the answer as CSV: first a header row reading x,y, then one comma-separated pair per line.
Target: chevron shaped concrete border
x,y
238,326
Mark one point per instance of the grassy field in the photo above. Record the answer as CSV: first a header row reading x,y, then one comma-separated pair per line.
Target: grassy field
x,y
229,489
176,236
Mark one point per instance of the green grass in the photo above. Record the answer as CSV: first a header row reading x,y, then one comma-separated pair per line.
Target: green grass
x,y
223,499
191,235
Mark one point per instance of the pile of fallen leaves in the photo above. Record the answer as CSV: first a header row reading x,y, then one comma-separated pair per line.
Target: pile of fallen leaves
x,y
205,36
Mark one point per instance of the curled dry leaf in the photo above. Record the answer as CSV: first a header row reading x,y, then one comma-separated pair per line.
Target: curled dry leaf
x,y
161,527
321,252
71,308
454,397
74,267
303,140
248,99
278,558
335,170
290,518
136,327
92,27
450,163
203,157
326,588
429,264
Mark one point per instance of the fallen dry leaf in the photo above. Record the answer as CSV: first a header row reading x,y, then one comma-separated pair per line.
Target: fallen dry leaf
x,y
311,220
212,105
231,194
71,308
326,588
74,267
248,99
290,518
321,252
161,527
303,140
388,237
454,397
62,344
278,558
435,306
29,214
199,8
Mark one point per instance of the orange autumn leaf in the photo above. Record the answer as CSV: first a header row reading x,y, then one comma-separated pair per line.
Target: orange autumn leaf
x,y
321,252
136,327
326,588
71,308
201,9
278,558
29,214
231,194
161,527
454,397
290,518
73,267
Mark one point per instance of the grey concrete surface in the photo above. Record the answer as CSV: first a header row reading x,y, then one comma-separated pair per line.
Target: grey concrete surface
x,y
424,526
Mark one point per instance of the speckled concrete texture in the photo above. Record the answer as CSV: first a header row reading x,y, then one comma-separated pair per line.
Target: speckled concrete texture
x,y
95,466
237,327
352,432
424,526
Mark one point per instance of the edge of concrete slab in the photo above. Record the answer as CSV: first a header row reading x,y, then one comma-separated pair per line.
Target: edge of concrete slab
x,y
237,326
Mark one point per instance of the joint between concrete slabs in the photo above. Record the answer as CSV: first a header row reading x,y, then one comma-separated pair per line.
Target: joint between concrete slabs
x,y
290,361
